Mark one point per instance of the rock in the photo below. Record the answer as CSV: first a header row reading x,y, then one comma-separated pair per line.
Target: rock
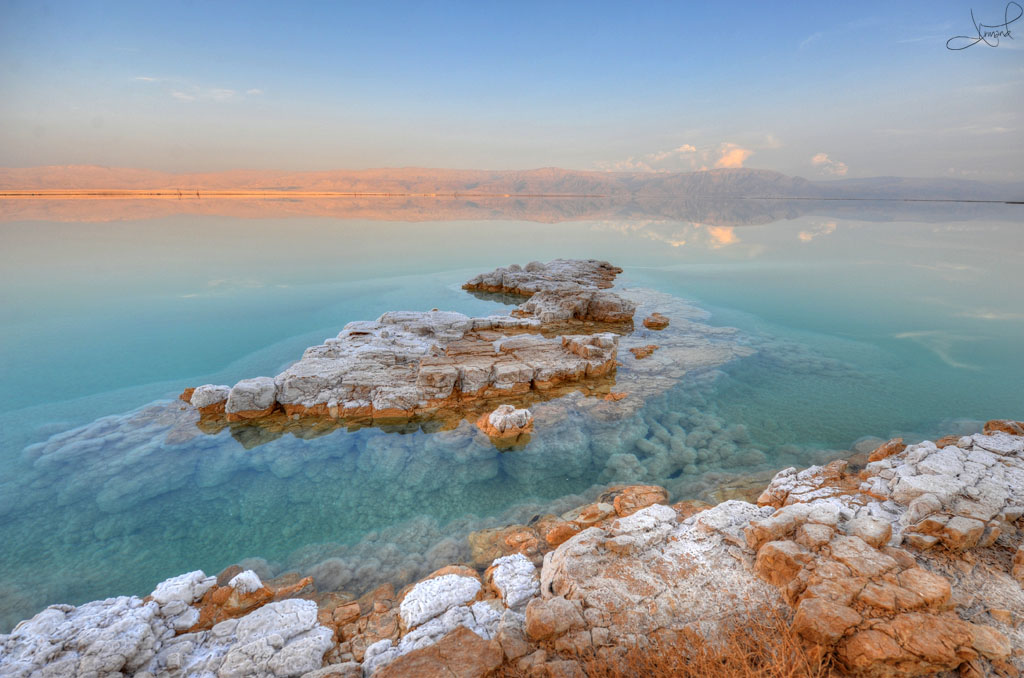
x,y
962,533
561,533
862,559
641,352
1014,428
251,399
778,562
873,531
886,450
129,636
656,321
630,499
342,670
459,654
823,622
550,617
246,582
492,543
1018,565
506,423
433,597
186,588
515,579
210,398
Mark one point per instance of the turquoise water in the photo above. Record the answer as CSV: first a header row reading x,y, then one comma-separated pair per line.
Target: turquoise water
x,y
862,327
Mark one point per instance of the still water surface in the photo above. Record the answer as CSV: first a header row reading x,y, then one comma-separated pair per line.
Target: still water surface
x,y
867,321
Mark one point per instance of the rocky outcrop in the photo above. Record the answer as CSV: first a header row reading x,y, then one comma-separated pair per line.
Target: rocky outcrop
x,y
408,365
842,553
563,290
507,424
129,636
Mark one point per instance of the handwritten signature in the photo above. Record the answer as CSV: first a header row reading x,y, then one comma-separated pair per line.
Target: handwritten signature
x,y
988,34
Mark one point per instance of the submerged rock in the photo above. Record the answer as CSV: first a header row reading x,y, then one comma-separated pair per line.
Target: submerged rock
x,y
656,321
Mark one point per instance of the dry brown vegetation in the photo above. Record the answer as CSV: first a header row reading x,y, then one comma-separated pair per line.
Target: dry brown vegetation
x,y
758,646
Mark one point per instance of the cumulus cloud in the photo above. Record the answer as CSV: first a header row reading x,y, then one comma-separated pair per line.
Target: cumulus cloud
x,y
685,158
829,166
732,155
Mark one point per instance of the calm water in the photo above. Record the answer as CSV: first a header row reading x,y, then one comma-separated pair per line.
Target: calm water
x,y
867,320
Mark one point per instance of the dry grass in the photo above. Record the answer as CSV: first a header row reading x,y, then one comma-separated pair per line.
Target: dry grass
x,y
760,646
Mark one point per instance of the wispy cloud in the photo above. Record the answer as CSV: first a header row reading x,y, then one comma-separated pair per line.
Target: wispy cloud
x,y
182,89
809,40
829,166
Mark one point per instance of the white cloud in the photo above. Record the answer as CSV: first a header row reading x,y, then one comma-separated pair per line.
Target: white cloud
x,y
686,158
146,78
732,155
829,166
254,92
181,96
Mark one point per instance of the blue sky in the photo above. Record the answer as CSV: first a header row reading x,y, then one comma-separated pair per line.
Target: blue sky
x,y
818,89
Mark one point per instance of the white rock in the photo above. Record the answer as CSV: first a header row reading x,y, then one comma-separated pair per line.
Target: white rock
x,y
257,393
246,582
433,597
516,577
209,394
189,588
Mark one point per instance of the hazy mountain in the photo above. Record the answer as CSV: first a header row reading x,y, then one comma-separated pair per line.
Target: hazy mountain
x,y
749,183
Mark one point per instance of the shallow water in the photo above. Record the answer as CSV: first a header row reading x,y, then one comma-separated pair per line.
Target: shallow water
x,y
861,326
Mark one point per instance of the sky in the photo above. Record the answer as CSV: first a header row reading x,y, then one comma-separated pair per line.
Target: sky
x,y
820,90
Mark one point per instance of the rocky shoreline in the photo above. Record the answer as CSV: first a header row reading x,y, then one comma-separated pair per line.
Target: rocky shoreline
x,y
912,565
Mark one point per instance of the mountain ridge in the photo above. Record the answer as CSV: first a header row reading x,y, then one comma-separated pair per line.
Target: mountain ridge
x,y
735,182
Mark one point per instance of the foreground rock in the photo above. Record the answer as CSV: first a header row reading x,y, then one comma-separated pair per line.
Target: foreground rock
x,y
909,567
129,636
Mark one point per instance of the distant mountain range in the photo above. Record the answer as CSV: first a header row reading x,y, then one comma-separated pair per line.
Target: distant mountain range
x,y
745,183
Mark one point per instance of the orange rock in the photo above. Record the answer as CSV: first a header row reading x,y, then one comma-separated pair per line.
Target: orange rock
x,y
186,395
823,622
642,352
869,651
894,446
946,441
1014,428
550,617
779,562
656,321
562,533
627,500
460,654
690,507
615,396
486,545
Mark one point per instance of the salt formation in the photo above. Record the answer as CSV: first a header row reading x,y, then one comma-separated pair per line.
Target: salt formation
x,y
420,364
